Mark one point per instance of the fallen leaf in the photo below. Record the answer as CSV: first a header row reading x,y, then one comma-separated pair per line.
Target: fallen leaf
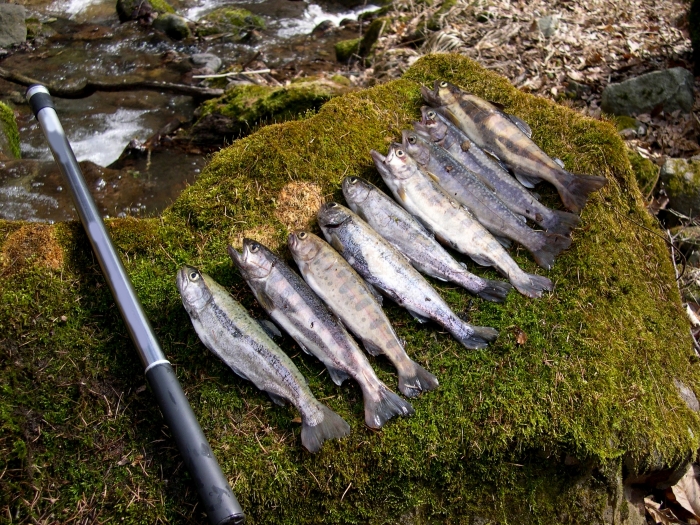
x,y
520,336
659,515
687,491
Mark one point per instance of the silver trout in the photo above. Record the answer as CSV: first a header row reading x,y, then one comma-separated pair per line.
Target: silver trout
x,y
466,188
385,267
449,221
411,238
300,312
226,329
513,194
494,131
352,299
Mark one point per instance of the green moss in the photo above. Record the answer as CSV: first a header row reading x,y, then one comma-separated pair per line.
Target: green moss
x,y
593,382
345,49
229,20
625,122
161,6
435,21
10,131
374,31
645,171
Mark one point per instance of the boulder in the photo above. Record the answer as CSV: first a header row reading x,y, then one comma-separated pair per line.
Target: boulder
x,y
535,431
174,26
229,20
681,180
346,49
13,28
206,62
670,89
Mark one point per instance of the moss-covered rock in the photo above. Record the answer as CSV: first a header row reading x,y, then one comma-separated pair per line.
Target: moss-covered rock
x,y
681,180
242,108
645,171
137,9
346,49
229,20
533,431
9,133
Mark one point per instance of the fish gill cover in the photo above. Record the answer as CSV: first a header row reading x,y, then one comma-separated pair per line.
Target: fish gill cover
x,y
578,389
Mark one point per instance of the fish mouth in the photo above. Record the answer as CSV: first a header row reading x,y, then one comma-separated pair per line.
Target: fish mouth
x,y
238,258
431,97
378,157
329,216
355,190
181,277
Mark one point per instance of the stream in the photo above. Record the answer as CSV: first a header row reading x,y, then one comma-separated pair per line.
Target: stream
x,y
83,39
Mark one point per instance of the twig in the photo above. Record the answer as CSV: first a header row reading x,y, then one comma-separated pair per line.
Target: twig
x,y
233,74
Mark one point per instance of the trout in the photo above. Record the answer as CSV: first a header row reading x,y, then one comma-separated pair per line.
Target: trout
x,y
226,329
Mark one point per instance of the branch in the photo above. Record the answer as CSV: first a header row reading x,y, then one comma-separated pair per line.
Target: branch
x,y
87,87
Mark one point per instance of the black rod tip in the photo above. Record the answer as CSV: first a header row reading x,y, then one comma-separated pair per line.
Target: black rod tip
x,y
39,98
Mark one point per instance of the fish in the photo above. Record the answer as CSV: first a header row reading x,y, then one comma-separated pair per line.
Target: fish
x,y
411,238
385,268
441,131
229,332
495,132
358,307
451,222
466,188
295,307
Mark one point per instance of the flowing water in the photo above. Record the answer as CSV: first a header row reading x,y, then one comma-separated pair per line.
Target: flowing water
x,y
84,39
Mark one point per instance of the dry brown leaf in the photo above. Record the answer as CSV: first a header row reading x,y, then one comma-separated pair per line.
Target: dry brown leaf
x,y
687,491
520,337
659,515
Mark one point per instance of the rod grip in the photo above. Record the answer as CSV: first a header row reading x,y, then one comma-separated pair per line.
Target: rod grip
x,y
219,501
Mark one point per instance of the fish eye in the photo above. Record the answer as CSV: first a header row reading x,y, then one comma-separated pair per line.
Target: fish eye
x,y
332,204
443,84
193,276
431,114
302,235
352,180
399,153
412,139
254,247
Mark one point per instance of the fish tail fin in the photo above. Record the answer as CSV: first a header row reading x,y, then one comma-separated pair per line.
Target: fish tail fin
x,y
561,222
531,285
577,188
551,245
331,426
495,291
473,337
382,405
415,380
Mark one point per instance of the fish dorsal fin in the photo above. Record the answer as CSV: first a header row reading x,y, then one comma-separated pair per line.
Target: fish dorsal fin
x,y
521,217
493,156
372,349
480,260
528,182
265,302
277,400
559,162
335,242
521,124
337,375
238,372
402,194
420,318
306,350
270,328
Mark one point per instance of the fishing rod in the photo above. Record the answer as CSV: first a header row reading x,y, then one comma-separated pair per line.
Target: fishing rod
x,y
215,493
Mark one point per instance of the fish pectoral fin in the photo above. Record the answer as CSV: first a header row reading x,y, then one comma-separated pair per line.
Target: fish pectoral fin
x,y
423,224
306,350
335,242
270,328
481,260
337,375
375,293
521,124
498,105
402,194
265,302
521,217
238,372
559,162
420,318
277,400
506,243
434,177
527,181
371,348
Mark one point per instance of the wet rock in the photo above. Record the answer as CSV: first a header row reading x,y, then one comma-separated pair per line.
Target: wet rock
x,y
13,28
681,180
670,89
206,62
172,25
346,49
141,9
229,20
324,27
9,134
548,25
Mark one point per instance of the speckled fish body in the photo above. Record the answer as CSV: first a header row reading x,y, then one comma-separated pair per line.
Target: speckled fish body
x,y
494,131
228,331
435,126
300,312
467,189
407,235
449,221
384,267
355,303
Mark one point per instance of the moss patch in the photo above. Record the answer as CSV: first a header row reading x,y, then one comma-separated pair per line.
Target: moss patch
x,y
9,143
345,49
593,382
229,20
645,171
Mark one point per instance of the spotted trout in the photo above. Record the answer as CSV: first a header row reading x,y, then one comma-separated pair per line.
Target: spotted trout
x,y
466,188
496,132
357,305
300,312
449,221
384,267
411,238
445,134
226,329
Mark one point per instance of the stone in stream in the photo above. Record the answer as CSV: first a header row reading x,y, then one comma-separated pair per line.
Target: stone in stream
x,y
543,432
141,9
670,89
13,28
174,26
206,63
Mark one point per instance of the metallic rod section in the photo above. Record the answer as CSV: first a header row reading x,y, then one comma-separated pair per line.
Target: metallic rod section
x,y
213,487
